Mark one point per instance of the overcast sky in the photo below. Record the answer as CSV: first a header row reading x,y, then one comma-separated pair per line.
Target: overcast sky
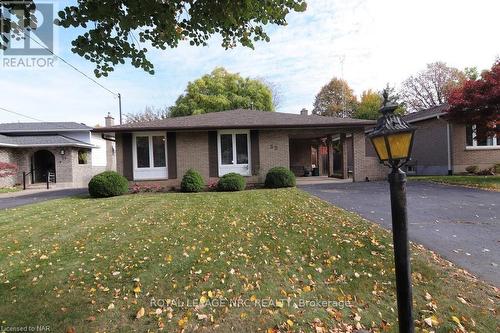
x,y
381,41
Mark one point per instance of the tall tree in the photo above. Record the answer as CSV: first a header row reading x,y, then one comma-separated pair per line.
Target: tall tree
x,y
478,102
114,31
369,106
149,113
220,91
335,99
428,88
275,89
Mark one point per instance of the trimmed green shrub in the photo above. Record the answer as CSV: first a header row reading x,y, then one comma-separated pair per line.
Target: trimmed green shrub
x,y
108,184
279,177
497,168
231,182
472,169
192,181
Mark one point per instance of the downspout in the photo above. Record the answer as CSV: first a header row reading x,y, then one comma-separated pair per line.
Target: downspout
x,y
448,143
107,138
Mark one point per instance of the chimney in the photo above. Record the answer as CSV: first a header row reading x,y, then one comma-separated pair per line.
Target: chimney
x,y
110,145
303,112
108,120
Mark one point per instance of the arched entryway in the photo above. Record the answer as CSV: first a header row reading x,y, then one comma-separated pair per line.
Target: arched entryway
x,y
42,162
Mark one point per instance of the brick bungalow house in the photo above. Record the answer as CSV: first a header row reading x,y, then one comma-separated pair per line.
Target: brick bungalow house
x,y
66,151
442,147
248,142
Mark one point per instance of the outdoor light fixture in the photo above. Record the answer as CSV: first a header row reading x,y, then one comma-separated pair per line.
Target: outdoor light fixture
x,y
393,140
393,137
62,152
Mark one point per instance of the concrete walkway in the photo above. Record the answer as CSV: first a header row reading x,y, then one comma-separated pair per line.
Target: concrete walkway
x,y
20,198
313,180
461,224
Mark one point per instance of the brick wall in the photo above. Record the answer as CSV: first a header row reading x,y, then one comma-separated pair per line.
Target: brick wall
x,y
8,155
462,157
119,153
274,151
365,165
192,152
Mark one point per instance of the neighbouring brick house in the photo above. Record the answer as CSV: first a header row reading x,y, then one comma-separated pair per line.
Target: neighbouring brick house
x,y
69,152
442,147
247,142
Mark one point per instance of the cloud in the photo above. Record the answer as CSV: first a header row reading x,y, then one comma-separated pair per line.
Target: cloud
x,y
381,41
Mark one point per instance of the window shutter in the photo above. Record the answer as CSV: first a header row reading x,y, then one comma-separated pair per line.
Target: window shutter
x,y
172,155
127,156
254,152
213,164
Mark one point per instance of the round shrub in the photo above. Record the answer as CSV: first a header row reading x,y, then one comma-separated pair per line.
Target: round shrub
x,y
192,181
231,182
280,177
108,184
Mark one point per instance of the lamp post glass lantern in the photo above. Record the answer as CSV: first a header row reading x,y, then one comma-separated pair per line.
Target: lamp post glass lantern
x,y
392,139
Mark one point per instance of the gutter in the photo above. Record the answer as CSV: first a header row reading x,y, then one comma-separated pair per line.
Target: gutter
x,y
218,127
108,138
45,145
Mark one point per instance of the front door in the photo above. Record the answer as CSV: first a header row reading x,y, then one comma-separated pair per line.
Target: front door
x,y
42,163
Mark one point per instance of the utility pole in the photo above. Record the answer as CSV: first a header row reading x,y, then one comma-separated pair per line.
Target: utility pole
x,y
342,59
120,106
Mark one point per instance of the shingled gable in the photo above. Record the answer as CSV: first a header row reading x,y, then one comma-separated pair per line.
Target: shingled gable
x,y
235,119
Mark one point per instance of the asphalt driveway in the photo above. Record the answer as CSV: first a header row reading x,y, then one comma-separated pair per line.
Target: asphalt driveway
x,y
461,224
19,198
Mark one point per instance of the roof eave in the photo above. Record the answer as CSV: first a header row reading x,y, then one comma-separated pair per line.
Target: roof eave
x,y
208,128
9,145
426,117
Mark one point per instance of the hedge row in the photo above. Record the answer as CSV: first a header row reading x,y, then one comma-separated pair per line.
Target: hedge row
x,y
110,183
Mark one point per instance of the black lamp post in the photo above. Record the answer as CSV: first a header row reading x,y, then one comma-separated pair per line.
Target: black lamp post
x,y
393,139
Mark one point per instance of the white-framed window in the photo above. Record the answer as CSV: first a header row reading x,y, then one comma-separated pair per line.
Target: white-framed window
x,y
473,142
234,152
149,154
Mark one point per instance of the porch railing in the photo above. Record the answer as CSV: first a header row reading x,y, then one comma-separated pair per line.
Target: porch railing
x,y
50,177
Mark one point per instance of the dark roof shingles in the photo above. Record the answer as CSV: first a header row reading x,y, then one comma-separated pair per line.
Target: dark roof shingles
x,y
41,140
42,127
239,119
427,113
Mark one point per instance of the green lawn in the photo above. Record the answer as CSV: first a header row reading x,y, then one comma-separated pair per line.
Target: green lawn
x,y
71,263
9,189
485,182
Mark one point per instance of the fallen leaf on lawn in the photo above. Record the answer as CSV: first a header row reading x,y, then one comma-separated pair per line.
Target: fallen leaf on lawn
x,y
431,321
202,316
289,322
91,318
140,313
43,257
182,322
111,306
428,296
457,321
